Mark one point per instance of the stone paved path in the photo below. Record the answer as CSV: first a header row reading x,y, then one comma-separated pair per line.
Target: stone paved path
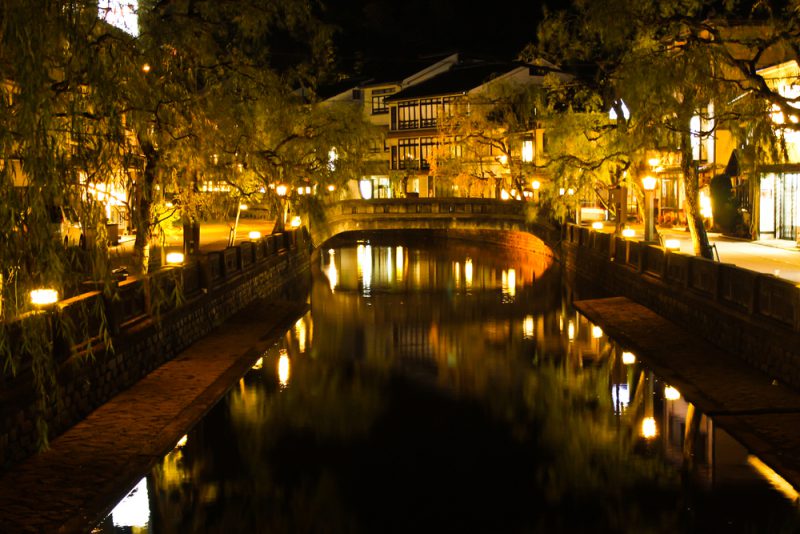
x,y
89,468
756,409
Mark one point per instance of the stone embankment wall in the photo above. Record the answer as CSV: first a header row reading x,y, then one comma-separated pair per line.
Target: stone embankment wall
x,y
752,315
148,322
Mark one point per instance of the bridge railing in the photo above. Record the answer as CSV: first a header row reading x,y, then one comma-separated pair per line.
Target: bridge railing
x,y
449,206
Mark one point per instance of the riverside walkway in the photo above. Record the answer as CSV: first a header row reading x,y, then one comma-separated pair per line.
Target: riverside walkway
x,y
91,466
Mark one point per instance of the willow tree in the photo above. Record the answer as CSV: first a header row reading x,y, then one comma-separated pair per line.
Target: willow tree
x,y
659,67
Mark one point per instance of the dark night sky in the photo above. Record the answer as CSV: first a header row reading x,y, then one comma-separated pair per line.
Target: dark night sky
x,y
384,29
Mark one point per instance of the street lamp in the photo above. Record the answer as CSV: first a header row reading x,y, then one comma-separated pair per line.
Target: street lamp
x,y
649,186
536,184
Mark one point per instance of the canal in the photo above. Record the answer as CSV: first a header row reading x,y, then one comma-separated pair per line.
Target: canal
x,y
449,386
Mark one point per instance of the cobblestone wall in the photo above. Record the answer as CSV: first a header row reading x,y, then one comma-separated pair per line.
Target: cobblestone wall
x,y
148,330
751,315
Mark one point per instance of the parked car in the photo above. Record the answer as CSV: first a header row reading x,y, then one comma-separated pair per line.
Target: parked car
x,y
66,227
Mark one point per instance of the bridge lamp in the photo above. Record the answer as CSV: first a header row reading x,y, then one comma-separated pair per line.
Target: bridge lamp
x,y
649,186
672,244
649,429
670,393
254,235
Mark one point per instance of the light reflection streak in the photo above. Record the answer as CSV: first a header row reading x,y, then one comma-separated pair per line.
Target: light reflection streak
x,y
364,265
399,266
775,480
332,273
457,274
509,283
528,330
134,509
283,368
468,273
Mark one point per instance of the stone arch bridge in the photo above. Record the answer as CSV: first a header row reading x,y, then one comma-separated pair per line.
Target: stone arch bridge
x,y
478,218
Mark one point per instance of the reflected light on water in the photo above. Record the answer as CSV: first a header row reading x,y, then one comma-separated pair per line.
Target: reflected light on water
x,y
332,273
468,273
571,331
259,363
133,510
509,283
182,442
457,274
364,264
649,429
399,265
775,480
528,327
283,368
302,334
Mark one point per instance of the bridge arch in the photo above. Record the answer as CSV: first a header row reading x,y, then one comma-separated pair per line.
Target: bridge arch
x,y
476,218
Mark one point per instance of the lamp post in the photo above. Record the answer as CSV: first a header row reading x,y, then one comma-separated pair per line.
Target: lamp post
x,y
649,186
536,185
280,223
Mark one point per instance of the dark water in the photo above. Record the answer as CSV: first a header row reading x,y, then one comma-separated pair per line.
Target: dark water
x,y
448,387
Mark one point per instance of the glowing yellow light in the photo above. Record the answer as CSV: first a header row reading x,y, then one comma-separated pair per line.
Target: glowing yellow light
x,y
331,188
653,162
570,191
255,234
777,481
528,327
561,191
333,275
44,297
571,331
280,190
536,185
259,364
597,225
670,393
628,358
672,244
527,151
457,273
283,368
509,283
468,272
628,232
503,159
400,268
705,205
302,334
649,429
504,195
597,332
242,207
296,222
175,258
649,183
182,442
168,204
146,68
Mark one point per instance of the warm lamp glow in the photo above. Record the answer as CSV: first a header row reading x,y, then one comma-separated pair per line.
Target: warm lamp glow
x,y
670,393
654,162
182,442
146,68
628,358
280,190
242,207
175,258
649,429
628,232
649,183
504,195
296,222
597,332
255,234
259,364
571,331
597,225
44,297
536,185
672,244
283,368
331,188
570,191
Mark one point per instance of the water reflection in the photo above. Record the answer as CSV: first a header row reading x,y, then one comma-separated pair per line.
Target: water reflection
x,y
423,393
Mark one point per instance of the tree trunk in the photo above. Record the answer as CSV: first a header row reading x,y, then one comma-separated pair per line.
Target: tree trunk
x,y
691,188
141,216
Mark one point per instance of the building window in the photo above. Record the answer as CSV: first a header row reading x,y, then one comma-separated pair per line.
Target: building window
x,y
427,112
527,150
448,106
378,104
407,112
356,94
426,148
407,154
